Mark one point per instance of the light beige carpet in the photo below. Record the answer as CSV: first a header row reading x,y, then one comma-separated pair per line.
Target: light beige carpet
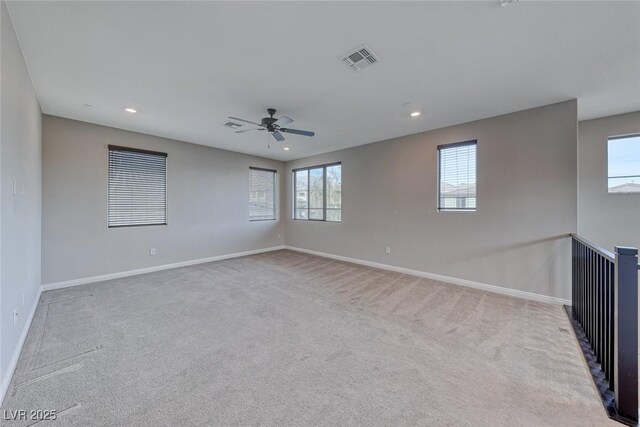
x,y
285,338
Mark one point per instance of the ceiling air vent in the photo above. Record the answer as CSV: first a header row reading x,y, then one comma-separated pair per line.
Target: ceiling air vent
x,y
507,3
360,58
232,125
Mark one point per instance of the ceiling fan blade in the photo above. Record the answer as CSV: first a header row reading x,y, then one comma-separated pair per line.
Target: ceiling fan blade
x,y
243,120
283,121
278,136
298,132
249,130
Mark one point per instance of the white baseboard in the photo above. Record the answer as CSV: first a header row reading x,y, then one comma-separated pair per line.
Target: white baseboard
x,y
111,276
6,378
453,280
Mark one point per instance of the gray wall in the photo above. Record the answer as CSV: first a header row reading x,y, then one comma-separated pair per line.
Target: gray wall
x,y
526,164
20,161
605,219
207,204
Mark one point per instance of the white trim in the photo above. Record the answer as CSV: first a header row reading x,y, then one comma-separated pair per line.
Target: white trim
x,y
8,375
453,280
111,276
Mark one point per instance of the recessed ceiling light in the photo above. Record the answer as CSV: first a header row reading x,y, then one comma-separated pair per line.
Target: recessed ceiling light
x,y
415,114
88,105
130,110
286,148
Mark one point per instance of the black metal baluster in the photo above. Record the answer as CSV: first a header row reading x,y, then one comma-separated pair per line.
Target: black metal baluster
x,y
573,278
591,305
601,310
586,293
612,314
598,308
605,317
583,293
594,321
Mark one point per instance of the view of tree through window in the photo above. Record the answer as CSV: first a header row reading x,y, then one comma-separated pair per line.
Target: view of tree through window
x,y
457,176
302,194
334,193
624,164
318,193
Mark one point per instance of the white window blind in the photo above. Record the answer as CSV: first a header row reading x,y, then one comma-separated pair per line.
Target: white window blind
x,y
457,176
624,164
318,193
137,187
262,194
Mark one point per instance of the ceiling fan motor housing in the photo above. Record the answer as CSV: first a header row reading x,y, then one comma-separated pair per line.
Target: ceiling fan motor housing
x,y
269,121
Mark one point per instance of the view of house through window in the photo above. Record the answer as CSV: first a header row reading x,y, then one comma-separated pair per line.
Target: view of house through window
x,y
624,164
262,194
318,193
457,176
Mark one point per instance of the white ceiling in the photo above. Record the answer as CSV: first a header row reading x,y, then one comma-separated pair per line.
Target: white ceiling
x,y
186,66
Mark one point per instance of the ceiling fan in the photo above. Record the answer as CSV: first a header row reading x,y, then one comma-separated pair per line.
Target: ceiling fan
x,y
274,126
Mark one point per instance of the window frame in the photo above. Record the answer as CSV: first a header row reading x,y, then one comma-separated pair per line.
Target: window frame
x,y
275,197
324,191
110,148
441,147
622,193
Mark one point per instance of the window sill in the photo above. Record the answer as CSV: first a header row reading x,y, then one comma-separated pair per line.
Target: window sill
x,y
316,220
136,225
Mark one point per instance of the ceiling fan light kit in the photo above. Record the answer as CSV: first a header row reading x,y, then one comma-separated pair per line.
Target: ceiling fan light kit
x,y
273,126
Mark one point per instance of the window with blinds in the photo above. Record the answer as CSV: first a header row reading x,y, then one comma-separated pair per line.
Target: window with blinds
x,y
262,194
318,193
457,176
137,187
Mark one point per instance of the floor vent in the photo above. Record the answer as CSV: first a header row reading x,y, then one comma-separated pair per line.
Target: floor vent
x,y
360,58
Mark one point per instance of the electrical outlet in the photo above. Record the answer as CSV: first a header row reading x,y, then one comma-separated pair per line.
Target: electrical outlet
x,y
23,300
15,317
152,251
387,250
278,236
15,188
